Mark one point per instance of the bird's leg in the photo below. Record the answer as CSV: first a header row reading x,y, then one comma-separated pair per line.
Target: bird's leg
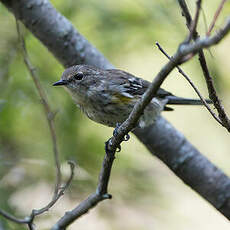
x,y
115,133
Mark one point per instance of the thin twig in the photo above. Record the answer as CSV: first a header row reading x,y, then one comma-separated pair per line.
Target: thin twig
x,y
59,194
215,17
49,113
209,81
99,195
206,27
13,218
29,219
193,25
183,50
192,29
205,20
191,83
58,191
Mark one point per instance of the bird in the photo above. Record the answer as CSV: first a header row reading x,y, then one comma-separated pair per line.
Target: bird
x,y
107,96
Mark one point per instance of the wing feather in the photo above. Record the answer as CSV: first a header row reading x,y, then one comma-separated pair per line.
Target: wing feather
x,y
130,85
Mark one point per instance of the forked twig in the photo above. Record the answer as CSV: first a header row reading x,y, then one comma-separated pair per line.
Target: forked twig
x,y
49,113
225,122
192,29
193,25
191,83
29,220
58,191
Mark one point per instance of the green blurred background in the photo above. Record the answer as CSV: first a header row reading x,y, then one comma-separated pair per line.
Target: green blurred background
x,y
146,194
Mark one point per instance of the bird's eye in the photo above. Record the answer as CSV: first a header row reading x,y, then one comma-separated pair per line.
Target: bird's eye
x,y
78,76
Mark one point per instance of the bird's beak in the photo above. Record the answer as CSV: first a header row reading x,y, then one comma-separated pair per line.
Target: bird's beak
x,y
60,82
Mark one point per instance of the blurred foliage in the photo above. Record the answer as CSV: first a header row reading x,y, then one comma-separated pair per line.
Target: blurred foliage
x,y
116,28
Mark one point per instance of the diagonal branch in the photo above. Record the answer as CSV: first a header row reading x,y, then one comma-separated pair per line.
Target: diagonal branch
x,y
29,220
72,46
99,195
209,81
58,191
184,49
115,141
191,83
49,114
193,25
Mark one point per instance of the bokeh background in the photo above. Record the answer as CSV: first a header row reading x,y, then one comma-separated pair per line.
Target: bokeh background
x,y
146,194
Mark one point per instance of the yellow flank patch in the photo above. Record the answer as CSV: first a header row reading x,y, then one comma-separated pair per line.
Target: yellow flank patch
x,y
121,98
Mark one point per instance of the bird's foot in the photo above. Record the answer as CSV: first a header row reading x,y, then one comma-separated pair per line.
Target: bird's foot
x,y
115,134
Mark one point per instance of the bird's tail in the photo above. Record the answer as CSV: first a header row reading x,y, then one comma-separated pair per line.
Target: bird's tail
x,y
173,100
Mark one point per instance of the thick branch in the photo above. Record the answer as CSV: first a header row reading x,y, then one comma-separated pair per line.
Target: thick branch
x,y
160,139
56,33
188,164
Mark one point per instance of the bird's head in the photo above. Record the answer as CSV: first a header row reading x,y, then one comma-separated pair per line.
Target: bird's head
x,y
77,80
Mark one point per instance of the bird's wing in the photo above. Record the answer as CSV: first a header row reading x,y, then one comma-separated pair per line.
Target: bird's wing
x,y
128,86
131,85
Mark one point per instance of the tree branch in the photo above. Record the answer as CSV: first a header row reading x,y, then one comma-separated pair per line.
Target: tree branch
x,y
183,50
58,191
13,218
93,199
193,86
29,220
188,164
48,112
215,17
115,141
209,81
56,31
193,25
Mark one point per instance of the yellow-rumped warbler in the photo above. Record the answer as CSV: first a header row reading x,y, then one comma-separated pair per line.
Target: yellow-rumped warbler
x,y
108,96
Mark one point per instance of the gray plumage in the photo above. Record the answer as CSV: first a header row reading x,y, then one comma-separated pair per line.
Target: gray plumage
x,y
108,96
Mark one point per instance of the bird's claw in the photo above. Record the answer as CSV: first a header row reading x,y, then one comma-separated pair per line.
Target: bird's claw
x,y
126,137
115,133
